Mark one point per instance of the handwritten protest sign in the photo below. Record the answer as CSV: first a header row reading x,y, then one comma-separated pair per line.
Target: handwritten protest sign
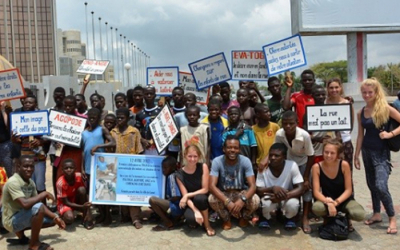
x,y
93,67
122,179
210,71
163,128
186,81
11,85
66,129
164,79
249,65
30,123
285,55
329,117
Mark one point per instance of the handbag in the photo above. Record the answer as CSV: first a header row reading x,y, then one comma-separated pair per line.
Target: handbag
x,y
394,142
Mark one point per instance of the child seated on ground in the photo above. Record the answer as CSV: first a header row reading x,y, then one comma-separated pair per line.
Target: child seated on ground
x,y
172,198
72,195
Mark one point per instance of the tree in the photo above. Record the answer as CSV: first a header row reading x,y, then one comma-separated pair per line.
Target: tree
x,y
328,70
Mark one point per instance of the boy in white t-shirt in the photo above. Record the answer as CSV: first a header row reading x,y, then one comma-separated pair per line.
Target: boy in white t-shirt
x,y
280,186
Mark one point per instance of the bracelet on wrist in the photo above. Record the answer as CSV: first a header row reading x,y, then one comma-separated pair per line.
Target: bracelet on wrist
x,y
392,133
227,201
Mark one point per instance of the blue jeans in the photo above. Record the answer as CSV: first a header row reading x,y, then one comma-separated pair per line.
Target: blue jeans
x,y
5,157
22,219
377,170
39,176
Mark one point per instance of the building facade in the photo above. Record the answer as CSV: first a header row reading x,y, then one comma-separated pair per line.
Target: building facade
x,y
27,37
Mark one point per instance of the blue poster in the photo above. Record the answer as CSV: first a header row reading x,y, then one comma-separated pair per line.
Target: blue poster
x,y
123,179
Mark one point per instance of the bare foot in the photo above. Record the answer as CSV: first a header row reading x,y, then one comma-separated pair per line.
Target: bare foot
x,y
137,224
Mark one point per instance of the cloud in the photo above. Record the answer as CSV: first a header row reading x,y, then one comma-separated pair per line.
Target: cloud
x,y
177,32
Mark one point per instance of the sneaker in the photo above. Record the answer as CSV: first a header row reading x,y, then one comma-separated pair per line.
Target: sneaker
x,y
290,225
264,225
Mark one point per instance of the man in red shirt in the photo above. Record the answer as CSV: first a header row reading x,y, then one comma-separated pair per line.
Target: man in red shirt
x,y
72,195
299,100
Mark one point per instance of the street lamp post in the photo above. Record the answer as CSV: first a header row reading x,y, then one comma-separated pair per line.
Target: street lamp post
x,y
127,66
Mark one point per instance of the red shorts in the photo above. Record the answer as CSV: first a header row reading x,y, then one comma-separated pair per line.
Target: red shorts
x,y
62,208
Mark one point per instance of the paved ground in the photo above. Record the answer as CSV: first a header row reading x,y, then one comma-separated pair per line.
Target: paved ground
x,y
126,236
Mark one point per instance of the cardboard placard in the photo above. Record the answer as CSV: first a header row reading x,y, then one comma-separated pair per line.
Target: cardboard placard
x,y
66,129
210,71
186,81
164,79
163,128
122,179
94,67
284,55
30,123
249,65
11,85
329,117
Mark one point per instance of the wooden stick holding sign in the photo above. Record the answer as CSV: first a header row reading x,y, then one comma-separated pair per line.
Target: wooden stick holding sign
x,y
328,117
163,128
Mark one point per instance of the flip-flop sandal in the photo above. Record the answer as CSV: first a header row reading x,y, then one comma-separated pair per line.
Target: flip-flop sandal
x,y
351,228
23,241
391,230
161,227
43,246
306,229
371,222
89,225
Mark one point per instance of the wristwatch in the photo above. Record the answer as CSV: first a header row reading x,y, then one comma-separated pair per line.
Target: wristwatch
x,y
243,198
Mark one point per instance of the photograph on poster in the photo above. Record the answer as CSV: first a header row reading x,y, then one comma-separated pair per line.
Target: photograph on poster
x,y
106,178
124,179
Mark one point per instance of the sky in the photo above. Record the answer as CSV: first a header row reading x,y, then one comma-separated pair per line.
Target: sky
x,y
178,32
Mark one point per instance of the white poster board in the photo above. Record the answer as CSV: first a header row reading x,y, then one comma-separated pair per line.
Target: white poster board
x,y
163,128
186,81
210,71
30,123
66,129
93,67
329,117
285,55
248,65
11,85
164,79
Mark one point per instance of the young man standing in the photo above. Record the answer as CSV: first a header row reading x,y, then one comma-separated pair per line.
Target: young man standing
x,y
22,208
275,102
301,151
230,194
179,101
226,98
300,100
145,117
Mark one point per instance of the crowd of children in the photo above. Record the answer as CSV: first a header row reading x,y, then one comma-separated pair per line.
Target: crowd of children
x,y
257,124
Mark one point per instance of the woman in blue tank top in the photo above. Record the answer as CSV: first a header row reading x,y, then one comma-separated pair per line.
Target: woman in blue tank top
x,y
375,152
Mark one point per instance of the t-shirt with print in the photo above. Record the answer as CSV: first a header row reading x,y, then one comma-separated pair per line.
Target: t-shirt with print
x,y
265,138
247,139
300,100
275,107
15,188
216,131
232,177
301,145
290,176
143,120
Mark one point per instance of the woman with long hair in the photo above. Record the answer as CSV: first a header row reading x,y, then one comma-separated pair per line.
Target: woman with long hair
x,y
332,185
335,95
193,181
372,119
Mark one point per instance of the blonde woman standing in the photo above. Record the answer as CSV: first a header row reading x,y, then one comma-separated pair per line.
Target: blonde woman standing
x,y
372,118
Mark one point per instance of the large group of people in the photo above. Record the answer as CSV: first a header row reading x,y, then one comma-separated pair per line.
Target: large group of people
x,y
247,159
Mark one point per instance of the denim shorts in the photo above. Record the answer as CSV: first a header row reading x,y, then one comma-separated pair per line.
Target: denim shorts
x,y
22,219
